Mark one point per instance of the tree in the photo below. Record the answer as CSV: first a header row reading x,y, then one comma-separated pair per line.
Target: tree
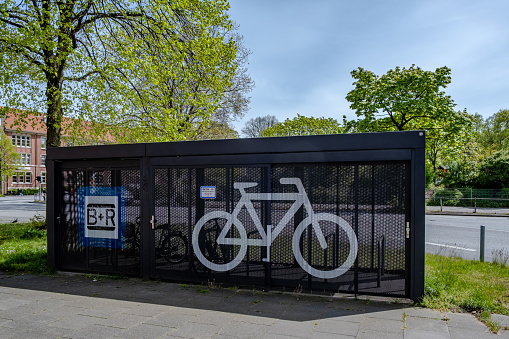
x,y
402,99
103,61
494,171
447,142
302,125
494,134
413,99
254,127
8,157
216,130
196,99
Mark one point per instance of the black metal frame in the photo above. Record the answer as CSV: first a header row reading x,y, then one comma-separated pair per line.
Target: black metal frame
x,y
356,149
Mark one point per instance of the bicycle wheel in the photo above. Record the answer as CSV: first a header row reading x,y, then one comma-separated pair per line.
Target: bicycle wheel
x,y
174,248
343,225
212,254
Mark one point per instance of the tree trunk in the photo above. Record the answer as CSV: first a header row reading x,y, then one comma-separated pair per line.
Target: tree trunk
x,y
54,112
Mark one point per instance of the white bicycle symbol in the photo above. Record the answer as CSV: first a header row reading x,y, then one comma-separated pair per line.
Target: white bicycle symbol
x,y
301,199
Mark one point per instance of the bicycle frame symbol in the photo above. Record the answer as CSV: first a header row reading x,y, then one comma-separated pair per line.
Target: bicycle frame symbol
x,y
301,199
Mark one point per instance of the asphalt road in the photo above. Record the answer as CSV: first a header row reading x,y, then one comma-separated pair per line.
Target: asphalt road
x,y
460,235
22,208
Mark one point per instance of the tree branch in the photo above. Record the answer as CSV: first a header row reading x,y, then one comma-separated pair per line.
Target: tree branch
x,y
20,50
83,77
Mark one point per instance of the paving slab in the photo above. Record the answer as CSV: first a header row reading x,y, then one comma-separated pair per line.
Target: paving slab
x,y
62,306
337,327
502,320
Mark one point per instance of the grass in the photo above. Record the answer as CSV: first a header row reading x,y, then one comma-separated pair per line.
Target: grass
x,y
23,248
465,285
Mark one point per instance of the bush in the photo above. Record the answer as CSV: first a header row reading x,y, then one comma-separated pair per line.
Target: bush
x,y
494,171
449,197
26,191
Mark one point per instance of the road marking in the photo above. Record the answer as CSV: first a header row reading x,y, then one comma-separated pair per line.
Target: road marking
x,y
469,227
450,246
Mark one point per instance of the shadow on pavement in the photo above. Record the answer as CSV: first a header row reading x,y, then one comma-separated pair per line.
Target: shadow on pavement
x,y
277,305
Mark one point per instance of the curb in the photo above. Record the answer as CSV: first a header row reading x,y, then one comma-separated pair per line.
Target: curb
x,y
468,214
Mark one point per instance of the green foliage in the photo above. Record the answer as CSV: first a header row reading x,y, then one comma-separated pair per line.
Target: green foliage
x,y
450,197
494,171
26,191
412,99
459,174
8,157
302,125
402,97
494,134
450,139
215,130
125,70
430,176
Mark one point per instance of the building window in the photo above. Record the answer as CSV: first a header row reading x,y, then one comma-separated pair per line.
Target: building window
x,y
21,140
43,142
25,159
22,177
43,160
43,177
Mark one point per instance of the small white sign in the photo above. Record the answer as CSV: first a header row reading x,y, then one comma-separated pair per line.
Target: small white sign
x,y
101,217
208,192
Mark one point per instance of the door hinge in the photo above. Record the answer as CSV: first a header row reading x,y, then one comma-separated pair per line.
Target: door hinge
x,y
408,229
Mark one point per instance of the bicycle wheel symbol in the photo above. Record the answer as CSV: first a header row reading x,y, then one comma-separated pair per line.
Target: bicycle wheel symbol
x,y
219,255
315,221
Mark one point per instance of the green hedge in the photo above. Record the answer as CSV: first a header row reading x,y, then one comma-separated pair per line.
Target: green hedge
x,y
26,191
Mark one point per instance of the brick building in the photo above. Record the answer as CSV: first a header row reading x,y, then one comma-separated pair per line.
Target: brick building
x,y
30,143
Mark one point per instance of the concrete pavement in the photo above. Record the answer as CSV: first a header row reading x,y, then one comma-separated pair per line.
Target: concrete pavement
x,y
88,306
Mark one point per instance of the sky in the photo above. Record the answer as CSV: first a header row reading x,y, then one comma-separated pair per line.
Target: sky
x,y
303,51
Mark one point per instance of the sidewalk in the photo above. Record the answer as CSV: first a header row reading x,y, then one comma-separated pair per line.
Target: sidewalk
x,y
78,306
470,211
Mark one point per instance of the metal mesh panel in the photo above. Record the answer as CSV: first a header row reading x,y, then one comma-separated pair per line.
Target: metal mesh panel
x,y
252,265
390,183
76,253
232,261
72,255
284,268
369,201
171,234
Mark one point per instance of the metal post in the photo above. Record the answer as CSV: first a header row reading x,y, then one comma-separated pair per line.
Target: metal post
x,y
441,205
475,205
483,239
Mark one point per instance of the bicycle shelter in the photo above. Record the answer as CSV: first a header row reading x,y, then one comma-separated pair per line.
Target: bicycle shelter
x,y
336,213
